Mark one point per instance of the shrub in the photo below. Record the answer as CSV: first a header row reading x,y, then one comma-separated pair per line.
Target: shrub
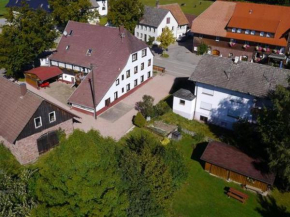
x,y
202,48
146,106
199,137
150,41
164,55
139,120
161,108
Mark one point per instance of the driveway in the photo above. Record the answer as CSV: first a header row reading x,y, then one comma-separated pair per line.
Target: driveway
x,y
117,121
181,61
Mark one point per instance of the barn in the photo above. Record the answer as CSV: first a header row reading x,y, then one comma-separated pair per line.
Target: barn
x,y
231,164
38,76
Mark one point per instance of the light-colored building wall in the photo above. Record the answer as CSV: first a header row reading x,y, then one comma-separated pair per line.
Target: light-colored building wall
x,y
184,108
181,30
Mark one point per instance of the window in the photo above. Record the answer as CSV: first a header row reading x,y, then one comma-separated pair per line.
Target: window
x,y
37,122
149,74
168,20
117,82
142,78
134,56
128,74
239,31
137,34
70,33
142,66
135,82
253,32
247,32
141,35
52,117
234,29
181,102
67,47
116,95
122,89
235,110
141,27
262,34
89,52
128,87
172,28
217,38
200,35
149,62
205,106
123,77
203,118
144,52
103,8
135,69
207,91
268,35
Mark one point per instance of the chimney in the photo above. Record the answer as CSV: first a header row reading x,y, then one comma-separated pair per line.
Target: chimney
x,y
122,32
157,3
23,89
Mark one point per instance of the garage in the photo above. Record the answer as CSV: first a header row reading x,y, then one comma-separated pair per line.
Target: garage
x,y
47,141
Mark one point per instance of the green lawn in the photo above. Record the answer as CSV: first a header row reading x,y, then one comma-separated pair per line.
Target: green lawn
x,y
103,21
2,7
195,7
203,195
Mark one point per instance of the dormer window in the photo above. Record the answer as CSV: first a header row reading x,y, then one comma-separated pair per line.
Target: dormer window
x,y
37,122
247,32
70,33
262,34
253,32
234,29
89,52
168,20
239,31
67,47
268,35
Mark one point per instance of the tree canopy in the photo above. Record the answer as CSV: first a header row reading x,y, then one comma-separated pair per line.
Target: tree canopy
x,y
125,13
76,10
166,38
27,34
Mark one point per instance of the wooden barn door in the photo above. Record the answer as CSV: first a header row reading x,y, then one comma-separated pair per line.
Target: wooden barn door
x,y
47,141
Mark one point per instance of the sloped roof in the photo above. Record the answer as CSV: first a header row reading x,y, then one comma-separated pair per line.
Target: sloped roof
x,y
231,158
184,94
176,11
214,20
110,54
33,4
153,16
245,77
45,72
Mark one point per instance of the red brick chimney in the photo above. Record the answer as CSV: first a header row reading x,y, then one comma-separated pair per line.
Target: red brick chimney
x,y
23,89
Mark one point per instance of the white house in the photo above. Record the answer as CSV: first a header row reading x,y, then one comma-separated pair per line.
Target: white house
x,y
98,5
153,22
224,92
108,63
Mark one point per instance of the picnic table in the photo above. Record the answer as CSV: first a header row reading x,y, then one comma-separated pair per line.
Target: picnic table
x,y
240,196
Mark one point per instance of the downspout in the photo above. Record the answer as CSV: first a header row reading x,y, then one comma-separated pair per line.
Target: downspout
x,y
195,100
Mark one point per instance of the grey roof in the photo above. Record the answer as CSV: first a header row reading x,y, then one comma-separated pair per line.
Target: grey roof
x,y
95,3
245,77
153,16
184,94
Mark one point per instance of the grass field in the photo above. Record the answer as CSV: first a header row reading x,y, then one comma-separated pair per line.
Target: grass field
x,y
195,7
2,7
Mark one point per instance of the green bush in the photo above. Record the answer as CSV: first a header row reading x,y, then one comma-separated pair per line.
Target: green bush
x,y
199,137
139,120
161,108
202,48
150,41
164,55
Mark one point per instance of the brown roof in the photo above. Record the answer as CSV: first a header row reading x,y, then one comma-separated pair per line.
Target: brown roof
x,y
45,72
16,110
230,158
190,18
109,55
176,11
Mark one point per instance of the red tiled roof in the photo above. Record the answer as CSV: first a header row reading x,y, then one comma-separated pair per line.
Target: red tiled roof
x,y
230,158
190,18
109,55
176,11
45,72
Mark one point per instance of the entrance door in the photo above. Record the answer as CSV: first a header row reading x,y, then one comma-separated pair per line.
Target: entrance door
x,y
107,102
47,141
116,95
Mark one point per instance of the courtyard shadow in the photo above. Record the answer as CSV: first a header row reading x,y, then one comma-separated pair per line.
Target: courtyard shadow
x,y
198,151
188,43
182,82
270,208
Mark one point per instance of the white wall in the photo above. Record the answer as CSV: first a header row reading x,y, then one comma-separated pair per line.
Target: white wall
x,y
186,110
223,103
142,29
44,62
123,83
181,30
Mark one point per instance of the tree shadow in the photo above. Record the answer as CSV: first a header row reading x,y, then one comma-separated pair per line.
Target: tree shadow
x,y
169,101
270,208
198,151
182,82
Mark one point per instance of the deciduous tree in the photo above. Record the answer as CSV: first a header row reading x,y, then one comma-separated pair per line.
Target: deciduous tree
x,y
166,38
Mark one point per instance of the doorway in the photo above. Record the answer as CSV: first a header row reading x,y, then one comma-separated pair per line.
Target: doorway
x,y
107,102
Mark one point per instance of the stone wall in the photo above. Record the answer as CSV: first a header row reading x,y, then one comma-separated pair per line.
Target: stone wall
x,y
26,151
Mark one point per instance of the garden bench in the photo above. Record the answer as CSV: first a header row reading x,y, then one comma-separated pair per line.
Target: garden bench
x,y
237,195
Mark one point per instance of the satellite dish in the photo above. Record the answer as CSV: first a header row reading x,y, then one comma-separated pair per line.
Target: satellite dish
x,y
65,33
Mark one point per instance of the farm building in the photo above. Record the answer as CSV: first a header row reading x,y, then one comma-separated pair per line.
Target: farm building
x,y
38,76
231,164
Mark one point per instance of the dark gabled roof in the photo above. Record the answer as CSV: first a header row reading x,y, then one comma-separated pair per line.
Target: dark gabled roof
x,y
45,72
153,16
184,94
110,54
16,110
244,77
231,158
33,4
